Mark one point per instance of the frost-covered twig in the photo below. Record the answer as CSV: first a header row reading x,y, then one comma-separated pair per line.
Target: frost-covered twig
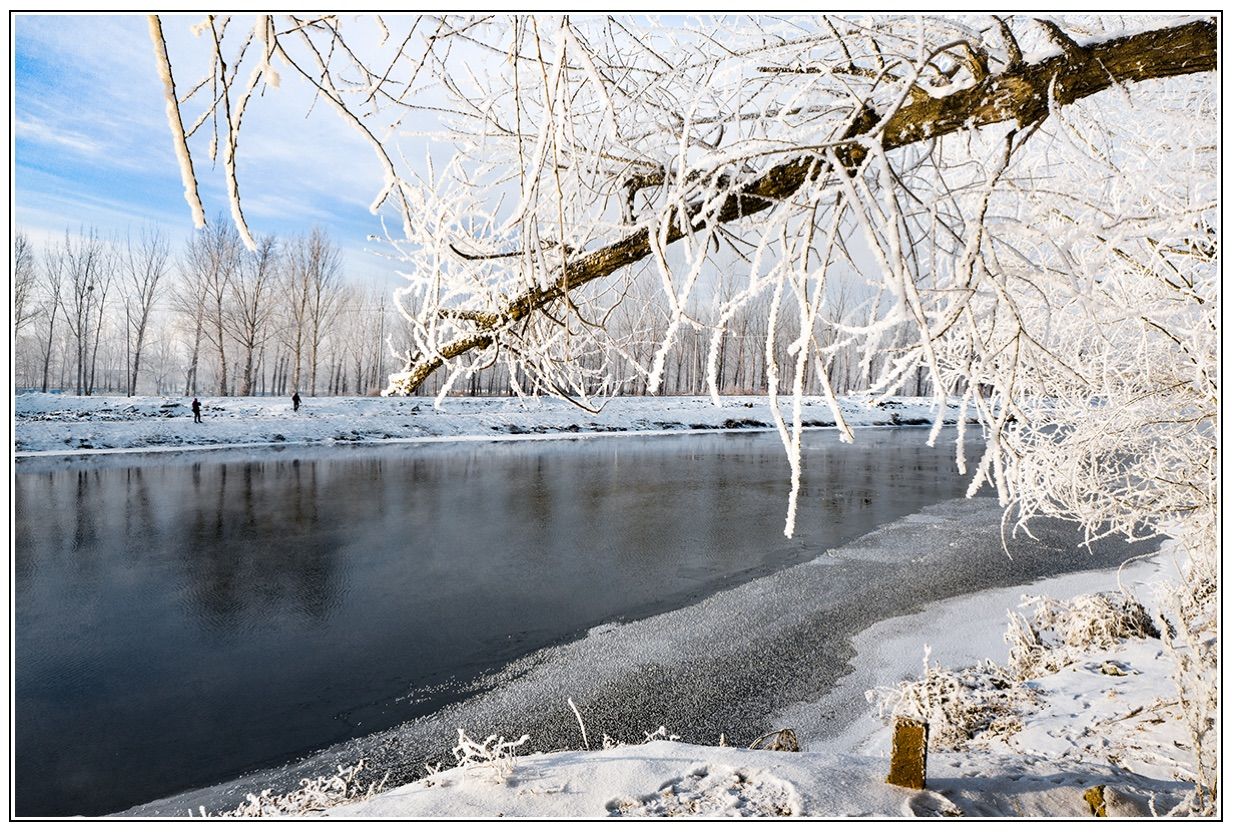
x,y
579,716
495,754
313,796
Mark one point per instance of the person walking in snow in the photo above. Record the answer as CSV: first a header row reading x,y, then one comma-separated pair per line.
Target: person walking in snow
x,y
197,410
295,401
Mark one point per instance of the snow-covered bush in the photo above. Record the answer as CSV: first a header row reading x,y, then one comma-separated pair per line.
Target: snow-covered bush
x,y
987,699
1060,630
314,795
976,702
496,755
1094,621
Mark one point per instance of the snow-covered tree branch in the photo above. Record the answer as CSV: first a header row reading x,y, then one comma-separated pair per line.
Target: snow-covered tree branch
x,y
1019,211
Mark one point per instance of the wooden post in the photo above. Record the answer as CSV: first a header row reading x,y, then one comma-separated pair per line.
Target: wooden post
x,y
909,738
1097,803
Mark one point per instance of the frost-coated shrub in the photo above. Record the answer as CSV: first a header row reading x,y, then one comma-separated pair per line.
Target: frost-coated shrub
x,y
981,701
1095,621
314,795
986,700
1059,630
496,754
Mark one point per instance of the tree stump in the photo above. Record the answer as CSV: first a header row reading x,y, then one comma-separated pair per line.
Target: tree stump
x,y
909,737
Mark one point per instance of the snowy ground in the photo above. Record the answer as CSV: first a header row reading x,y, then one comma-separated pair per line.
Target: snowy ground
x,y
53,424
1089,728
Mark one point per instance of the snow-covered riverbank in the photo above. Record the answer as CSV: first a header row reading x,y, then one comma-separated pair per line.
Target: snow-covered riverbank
x,y
1110,718
50,424
739,652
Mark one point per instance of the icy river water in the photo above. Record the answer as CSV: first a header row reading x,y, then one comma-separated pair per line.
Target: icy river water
x,y
184,619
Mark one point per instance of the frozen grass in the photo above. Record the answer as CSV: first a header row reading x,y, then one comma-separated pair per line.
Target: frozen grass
x,y
495,756
975,702
313,797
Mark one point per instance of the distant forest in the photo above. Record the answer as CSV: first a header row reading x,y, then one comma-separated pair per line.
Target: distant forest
x,y
96,315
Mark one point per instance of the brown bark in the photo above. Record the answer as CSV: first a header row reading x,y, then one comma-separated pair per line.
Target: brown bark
x,y
1020,93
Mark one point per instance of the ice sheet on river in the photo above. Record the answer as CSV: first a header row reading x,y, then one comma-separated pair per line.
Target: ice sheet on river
x,y
728,664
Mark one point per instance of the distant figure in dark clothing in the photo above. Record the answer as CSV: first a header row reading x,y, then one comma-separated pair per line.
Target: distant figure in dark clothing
x,y
295,401
197,410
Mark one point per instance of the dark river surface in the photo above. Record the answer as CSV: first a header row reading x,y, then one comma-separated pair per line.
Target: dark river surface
x,y
181,619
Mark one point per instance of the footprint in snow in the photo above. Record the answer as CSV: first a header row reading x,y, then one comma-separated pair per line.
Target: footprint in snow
x,y
715,791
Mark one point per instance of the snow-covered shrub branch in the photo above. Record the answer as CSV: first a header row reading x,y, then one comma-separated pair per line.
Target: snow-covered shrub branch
x,y
313,795
495,754
1058,631
1190,633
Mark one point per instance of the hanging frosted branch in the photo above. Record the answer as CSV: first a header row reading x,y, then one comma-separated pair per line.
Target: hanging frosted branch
x,y
179,142
951,180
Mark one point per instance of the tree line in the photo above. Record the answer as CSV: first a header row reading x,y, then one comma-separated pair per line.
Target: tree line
x,y
95,315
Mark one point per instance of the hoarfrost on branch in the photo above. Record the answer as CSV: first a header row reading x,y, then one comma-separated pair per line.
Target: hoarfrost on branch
x,y
1023,211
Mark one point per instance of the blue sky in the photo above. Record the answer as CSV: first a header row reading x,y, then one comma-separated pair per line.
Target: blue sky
x,y
92,146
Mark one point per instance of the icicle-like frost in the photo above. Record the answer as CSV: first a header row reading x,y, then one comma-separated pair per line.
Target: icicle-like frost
x,y
265,38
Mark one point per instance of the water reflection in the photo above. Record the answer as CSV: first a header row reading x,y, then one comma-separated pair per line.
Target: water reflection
x,y
179,621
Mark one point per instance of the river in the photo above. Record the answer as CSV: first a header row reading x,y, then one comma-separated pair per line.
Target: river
x,y
182,619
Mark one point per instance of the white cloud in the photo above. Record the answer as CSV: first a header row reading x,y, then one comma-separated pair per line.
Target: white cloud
x,y
36,130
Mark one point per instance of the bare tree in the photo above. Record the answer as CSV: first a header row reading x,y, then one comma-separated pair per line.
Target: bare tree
x,y
296,291
211,261
53,289
189,301
145,266
594,158
830,99
87,263
312,288
253,288
25,281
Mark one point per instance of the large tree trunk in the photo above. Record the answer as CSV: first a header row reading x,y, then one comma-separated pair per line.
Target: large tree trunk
x,y
298,358
137,358
313,342
222,354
